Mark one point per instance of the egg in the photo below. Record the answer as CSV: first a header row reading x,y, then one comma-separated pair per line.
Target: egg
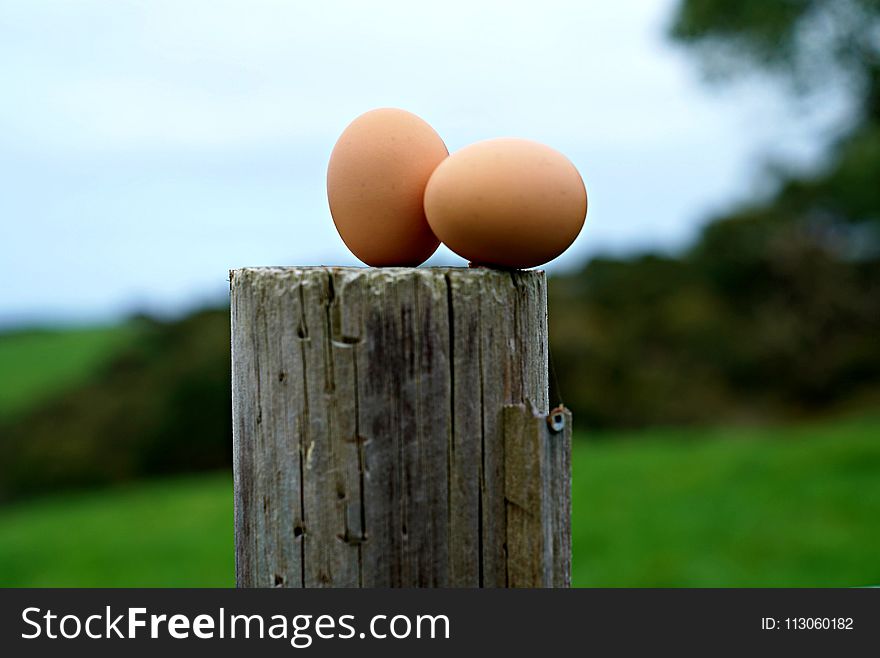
x,y
506,202
376,183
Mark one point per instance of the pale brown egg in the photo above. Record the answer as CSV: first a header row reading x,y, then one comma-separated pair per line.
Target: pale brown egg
x,y
506,202
376,183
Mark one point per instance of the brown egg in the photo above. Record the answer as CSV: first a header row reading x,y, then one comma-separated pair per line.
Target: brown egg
x,y
376,183
506,202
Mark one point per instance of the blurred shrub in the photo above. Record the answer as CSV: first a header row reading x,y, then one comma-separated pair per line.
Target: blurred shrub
x,y
161,406
765,317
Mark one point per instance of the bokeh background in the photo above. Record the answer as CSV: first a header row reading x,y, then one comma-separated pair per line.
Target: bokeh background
x,y
715,328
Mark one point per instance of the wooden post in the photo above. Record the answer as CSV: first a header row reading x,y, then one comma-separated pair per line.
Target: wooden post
x,y
390,430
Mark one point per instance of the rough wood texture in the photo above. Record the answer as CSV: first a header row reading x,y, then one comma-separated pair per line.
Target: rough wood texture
x,y
537,488
369,422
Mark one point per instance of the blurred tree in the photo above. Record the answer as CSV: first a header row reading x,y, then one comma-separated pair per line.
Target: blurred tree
x,y
812,42
822,47
775,310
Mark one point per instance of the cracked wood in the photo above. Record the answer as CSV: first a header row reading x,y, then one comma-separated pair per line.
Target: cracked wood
x,y
369,428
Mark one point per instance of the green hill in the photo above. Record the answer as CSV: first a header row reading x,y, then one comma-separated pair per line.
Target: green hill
x,y
37,364
158,403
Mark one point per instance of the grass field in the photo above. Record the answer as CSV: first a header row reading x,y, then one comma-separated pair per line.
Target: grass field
x,y
162,533
788,507
37,364
781,507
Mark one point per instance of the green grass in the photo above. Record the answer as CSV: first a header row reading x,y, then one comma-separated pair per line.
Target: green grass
x,y
787,507
37,364
164,533
773,507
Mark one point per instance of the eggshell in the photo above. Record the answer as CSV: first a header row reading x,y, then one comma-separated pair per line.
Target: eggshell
x,y
375,185
506,202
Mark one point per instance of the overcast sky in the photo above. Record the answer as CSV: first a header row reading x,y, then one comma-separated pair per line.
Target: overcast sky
x,y
146,147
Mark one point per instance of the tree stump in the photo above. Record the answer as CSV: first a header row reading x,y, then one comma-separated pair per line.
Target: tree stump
x,y
389,430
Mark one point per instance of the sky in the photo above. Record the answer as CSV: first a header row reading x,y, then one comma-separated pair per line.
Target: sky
x,y
149,146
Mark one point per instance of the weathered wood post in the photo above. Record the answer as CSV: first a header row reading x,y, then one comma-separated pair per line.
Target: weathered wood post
x,y
390,430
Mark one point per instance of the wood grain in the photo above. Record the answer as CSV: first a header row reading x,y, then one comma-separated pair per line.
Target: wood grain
x,y
370,408
538,498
